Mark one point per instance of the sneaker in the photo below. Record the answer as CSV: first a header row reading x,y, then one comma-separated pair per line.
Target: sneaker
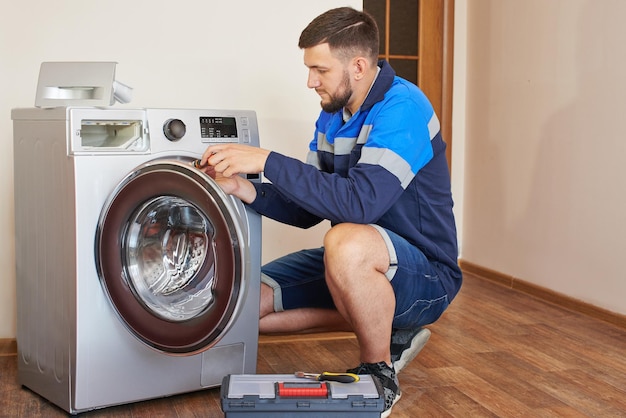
x,y
388,380
406,344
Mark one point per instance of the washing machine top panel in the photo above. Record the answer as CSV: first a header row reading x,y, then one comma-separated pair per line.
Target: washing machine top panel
x,y
170,254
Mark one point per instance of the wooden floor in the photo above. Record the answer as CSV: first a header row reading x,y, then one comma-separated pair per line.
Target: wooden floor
x,y
494,353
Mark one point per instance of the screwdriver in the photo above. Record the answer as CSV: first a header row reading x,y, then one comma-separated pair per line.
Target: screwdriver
x,y
331,377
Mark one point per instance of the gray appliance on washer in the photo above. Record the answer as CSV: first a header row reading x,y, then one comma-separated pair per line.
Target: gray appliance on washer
x,y
137,277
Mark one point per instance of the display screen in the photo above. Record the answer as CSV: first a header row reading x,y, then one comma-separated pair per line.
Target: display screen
x,y
218,127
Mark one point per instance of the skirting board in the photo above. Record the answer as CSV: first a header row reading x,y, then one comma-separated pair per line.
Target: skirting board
x,y
317,336
8,347
543,293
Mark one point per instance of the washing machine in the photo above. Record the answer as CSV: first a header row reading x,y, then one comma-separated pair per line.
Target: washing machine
x,y
137,277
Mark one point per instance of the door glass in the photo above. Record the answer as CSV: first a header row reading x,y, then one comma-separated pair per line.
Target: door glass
x,y
170,258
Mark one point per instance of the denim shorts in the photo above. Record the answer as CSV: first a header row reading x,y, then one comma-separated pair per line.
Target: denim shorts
x,y
298,282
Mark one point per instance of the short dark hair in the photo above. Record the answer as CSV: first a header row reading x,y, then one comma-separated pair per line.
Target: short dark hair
x,y
347,31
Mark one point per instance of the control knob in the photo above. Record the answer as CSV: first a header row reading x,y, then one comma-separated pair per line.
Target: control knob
x,y
174,129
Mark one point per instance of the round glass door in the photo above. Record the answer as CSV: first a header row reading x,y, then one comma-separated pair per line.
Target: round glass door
x,y
166,243
170,255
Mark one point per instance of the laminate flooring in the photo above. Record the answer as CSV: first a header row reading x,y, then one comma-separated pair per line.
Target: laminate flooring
x,y
494,353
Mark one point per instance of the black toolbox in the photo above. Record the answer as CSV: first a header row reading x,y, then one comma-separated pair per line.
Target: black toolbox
x,y
284,395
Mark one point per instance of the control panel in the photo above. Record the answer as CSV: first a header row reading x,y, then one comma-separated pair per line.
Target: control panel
x,y
212,129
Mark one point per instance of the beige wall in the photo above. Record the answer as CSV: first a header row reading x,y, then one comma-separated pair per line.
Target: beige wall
x,y
185,54
545,144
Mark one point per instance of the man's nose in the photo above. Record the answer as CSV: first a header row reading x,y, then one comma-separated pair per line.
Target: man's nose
x,y
312,82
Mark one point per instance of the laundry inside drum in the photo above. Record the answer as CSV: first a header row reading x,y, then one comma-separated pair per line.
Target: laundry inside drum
x,y
169,251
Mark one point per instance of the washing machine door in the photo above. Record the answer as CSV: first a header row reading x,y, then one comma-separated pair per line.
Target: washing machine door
x,y
171,255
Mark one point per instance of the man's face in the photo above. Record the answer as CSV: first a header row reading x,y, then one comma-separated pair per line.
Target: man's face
x,y
329,77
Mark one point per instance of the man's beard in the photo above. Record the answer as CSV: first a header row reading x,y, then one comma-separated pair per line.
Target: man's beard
x,y
337,102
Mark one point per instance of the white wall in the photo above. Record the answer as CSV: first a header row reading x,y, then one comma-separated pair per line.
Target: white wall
x,y
187,54
545,173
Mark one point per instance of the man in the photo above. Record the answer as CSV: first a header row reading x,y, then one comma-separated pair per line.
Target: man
x,y
377,170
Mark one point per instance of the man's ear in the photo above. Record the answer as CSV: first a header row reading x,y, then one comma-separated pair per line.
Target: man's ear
x,y
360,66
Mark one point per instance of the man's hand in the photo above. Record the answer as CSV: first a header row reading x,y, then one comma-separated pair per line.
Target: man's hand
x,y
231,159
235,185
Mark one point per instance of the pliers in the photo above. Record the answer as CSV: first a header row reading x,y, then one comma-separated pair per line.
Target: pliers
x,y
330,377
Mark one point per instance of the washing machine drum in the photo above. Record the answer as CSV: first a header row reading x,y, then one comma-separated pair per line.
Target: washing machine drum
x,y
171,255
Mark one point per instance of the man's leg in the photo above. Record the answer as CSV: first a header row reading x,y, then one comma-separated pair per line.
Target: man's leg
x,y
297,320
356,260
295,298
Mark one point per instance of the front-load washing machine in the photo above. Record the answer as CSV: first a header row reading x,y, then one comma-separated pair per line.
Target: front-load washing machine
x,y
137,277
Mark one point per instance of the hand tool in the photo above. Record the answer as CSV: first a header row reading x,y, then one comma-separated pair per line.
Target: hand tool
x,y
331,377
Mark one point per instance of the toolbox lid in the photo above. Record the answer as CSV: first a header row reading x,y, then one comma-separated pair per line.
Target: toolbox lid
x,y
263,386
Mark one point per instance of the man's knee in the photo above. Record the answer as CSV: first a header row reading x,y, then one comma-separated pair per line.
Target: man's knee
x,y
357,245
346,236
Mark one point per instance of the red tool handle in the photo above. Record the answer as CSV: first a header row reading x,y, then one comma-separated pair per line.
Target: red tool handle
x,y
303,390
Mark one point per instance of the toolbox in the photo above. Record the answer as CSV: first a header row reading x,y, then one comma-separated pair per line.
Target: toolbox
x,y
284,395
